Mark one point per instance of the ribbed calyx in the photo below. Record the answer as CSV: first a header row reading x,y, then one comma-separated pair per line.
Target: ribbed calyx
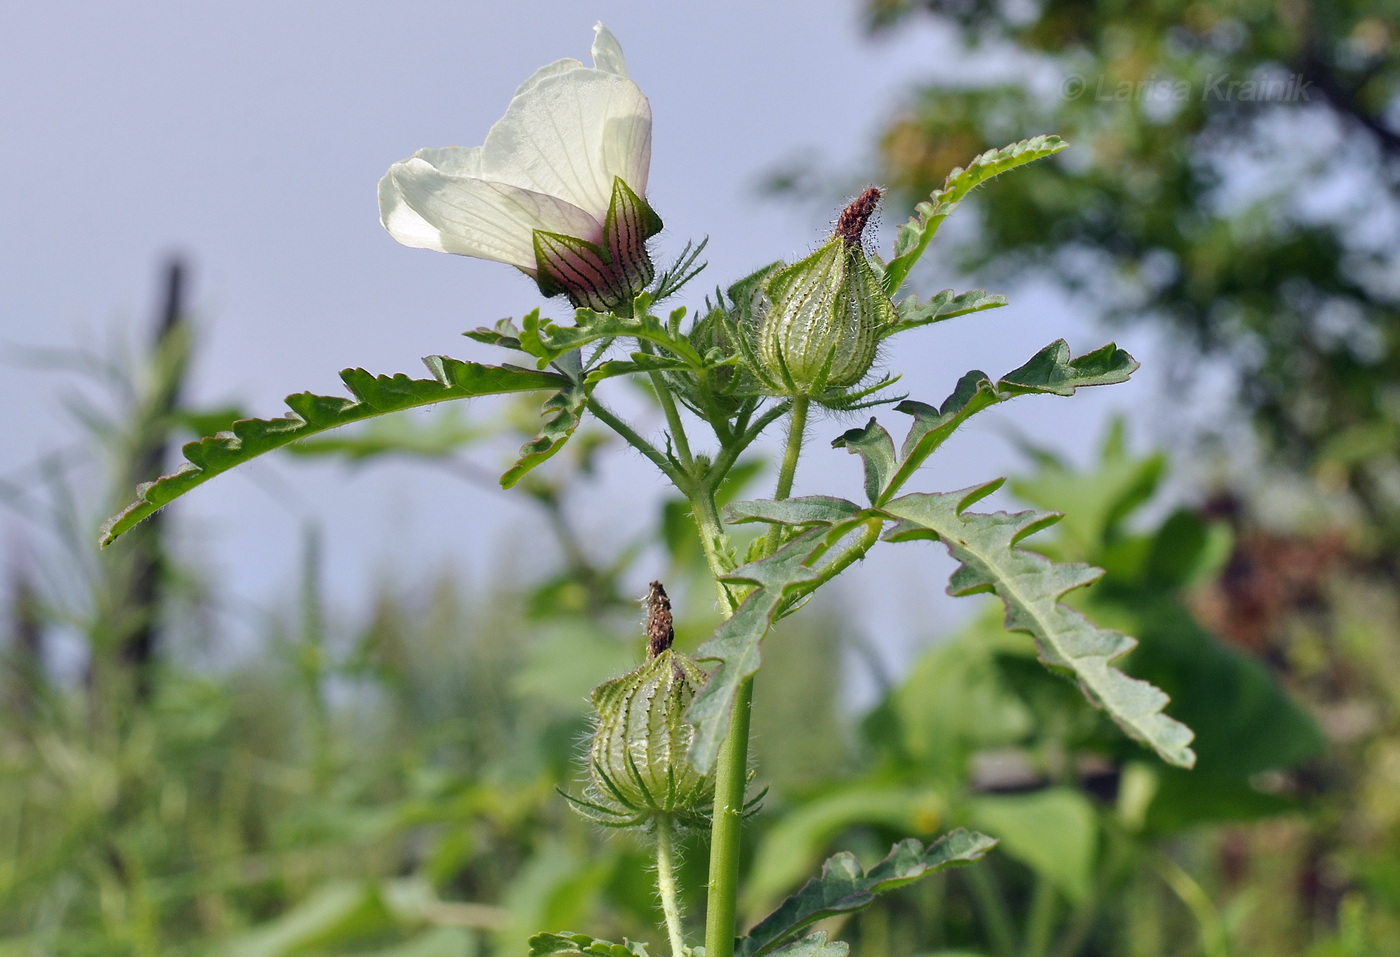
x,y
638,761
825,313
603,272
639,766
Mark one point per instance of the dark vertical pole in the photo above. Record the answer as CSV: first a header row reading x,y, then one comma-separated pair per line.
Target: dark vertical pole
x,y
141,646
26,643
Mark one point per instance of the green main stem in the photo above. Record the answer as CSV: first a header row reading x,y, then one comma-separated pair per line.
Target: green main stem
x,y
732,767
673,420
731,779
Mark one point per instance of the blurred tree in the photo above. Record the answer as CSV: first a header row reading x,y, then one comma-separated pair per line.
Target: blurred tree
x,y
1234,175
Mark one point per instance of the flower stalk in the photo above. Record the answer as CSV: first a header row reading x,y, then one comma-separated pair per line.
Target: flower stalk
x,y
666,887
792,450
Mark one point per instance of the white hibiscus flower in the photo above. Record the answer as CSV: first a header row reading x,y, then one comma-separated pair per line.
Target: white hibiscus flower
x,y
556,190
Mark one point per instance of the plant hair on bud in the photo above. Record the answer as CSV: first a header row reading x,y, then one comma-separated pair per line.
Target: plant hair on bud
x,y
825,314
660,628
850,225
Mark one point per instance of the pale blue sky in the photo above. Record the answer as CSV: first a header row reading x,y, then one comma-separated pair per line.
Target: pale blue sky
x,y
250,136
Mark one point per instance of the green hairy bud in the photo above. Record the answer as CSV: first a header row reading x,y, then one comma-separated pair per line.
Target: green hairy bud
x,y
639,766
724,388
825,313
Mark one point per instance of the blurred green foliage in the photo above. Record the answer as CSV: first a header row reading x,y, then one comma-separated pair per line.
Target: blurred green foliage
x,y
1233,175
379,787
1232,178
1093,828
388,787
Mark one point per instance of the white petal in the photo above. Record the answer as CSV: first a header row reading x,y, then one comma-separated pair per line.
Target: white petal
x,y
421,205
402,222
461,160
548,70
607,52
550,163
569,133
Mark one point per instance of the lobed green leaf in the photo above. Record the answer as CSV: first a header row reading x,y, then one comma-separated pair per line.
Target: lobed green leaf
x,y
436,437
815,945
944,305
876,450
795,570
505,334
912,238
1031,587
562,413
311,414
787,851
1051,371
845,886
548,341
543,945
805,510
638,362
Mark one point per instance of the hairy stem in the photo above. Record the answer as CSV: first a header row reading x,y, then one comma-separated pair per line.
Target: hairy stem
x,y
724,429
608,418
673,416
731,768
731,779
797,427
729,454
715,545
666,885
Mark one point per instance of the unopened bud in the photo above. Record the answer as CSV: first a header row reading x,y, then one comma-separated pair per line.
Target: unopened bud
x,y
723,388
825,312
639,762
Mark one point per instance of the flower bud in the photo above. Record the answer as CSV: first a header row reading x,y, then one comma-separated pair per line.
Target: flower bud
x,y
639,765
825,312
724,388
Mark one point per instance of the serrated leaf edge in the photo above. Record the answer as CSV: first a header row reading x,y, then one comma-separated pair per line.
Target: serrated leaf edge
x,y
311,414
860,885
913,237
1035,614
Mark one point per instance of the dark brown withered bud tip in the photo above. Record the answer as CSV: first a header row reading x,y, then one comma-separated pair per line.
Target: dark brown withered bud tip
x,y
661,631
851,223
